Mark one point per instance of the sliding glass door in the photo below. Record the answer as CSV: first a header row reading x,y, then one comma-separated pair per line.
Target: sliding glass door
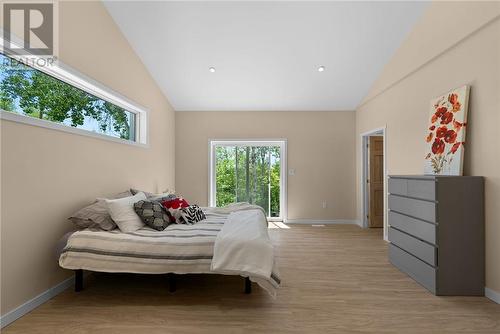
x,y
249,171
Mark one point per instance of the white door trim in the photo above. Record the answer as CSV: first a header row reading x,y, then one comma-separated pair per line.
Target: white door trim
x,y
364,175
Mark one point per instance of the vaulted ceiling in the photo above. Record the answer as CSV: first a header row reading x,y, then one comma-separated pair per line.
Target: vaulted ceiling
x,y
265,55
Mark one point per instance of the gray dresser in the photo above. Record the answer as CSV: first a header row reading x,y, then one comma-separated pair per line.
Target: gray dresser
x,y
436,231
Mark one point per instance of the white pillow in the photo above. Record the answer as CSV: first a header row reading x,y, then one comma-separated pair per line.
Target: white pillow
x,y
122,212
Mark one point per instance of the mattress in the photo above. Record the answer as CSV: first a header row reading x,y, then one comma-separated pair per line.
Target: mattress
x,y
178,249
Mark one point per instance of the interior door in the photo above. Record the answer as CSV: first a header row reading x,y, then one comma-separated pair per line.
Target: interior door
x,y
376,182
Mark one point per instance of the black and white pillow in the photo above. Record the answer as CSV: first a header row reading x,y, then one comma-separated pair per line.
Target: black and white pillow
x,y
153,214
192,214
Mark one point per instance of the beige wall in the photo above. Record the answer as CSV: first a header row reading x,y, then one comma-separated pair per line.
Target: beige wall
x,y
47,175
402,102
443,25
320,149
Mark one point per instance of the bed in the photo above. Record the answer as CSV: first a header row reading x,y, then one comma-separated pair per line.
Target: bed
x,y
230,241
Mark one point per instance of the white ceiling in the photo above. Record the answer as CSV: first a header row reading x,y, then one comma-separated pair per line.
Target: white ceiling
x,y
266,54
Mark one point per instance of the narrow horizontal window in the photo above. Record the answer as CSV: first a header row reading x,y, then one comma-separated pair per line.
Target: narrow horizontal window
x,y
27,91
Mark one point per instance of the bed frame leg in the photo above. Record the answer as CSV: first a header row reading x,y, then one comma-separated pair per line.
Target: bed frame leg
x,y
78,280
172,284
248,285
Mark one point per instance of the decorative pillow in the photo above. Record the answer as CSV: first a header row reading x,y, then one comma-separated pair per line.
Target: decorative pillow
x,y
154,197
152,214
123,214
192,214
163,197
174,207
136,191
96,215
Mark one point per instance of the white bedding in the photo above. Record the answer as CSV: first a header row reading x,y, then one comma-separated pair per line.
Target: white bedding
x,y
243,247
231,240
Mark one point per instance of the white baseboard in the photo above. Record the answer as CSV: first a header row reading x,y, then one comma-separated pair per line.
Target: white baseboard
x,y
492,294
322,222
18,312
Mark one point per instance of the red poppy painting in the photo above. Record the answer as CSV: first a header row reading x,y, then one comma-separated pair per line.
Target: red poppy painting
x,y
445,136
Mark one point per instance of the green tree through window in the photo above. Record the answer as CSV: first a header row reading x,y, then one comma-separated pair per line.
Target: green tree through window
x,y
248,174
30,92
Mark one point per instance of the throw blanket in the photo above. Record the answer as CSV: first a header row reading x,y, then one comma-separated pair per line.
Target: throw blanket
x,y
243,247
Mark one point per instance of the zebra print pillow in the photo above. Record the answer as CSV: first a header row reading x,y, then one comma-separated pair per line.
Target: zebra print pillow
x,y
192,214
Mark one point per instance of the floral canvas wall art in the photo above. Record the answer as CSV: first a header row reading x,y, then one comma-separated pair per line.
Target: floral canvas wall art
x,y
445,134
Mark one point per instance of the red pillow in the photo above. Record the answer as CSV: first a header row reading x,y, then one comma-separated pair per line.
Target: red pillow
x,y
174,207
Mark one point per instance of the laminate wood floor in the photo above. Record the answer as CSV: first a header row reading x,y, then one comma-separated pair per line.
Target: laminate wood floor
x,y
336,279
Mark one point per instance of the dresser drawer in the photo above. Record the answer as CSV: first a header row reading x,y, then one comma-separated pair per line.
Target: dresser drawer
x,y
416,269
413,207
398,186
414,246
418,228
424,189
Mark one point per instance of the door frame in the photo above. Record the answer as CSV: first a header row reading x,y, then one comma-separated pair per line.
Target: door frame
x,y
365,139
281,142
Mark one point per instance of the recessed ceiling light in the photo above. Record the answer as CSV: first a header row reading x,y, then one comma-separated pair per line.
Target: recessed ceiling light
x,y
321,69
212,69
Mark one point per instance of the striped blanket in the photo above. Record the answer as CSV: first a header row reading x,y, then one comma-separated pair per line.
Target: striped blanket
x,y
180,249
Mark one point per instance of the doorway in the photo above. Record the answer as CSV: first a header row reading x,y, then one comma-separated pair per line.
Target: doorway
x,y
374,179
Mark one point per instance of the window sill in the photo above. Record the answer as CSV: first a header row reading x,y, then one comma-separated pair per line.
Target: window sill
x,y
9,116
